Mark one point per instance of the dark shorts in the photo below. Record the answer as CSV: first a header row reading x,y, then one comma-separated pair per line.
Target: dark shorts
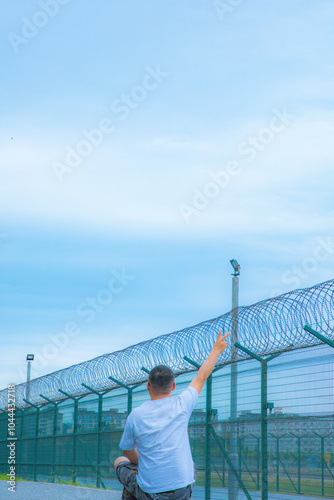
x,y
127,475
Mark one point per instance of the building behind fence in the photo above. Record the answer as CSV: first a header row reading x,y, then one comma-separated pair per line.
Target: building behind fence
x,y
70,425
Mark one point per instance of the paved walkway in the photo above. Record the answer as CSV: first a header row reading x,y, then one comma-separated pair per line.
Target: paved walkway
x,y
26,490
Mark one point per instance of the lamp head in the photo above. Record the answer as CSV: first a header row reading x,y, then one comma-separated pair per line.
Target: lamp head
x,y
30,357
236,267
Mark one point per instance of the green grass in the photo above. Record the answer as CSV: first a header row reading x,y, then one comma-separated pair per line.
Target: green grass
x,y
4,477
62,481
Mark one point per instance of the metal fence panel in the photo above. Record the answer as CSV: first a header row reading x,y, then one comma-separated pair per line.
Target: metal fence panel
x,y
75,437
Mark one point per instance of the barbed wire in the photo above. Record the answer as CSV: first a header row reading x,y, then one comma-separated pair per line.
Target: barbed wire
x,y
267,327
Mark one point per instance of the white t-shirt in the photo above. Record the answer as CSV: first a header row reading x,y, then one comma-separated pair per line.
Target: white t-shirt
x,y
159,431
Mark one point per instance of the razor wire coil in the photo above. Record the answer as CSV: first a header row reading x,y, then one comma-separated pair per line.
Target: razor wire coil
x,y
267,327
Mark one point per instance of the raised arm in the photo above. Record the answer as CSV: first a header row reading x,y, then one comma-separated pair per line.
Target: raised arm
x,y
206,369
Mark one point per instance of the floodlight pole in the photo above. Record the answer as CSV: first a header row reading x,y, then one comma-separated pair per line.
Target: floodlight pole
x,y
232,480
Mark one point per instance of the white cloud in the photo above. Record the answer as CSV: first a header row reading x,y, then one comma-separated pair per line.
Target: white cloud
x,y
119,189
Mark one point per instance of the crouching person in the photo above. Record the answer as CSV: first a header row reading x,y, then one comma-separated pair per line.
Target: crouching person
x,y
157,462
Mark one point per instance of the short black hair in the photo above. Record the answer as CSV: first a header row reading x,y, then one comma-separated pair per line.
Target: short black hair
x,y
161,379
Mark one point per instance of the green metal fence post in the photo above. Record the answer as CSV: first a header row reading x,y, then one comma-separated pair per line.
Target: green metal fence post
x,y
99,441
329,342
224,445
323,462
129,389
208,409
75,433
322,452
208,427
319,336
99,428
322,467
20,449
36,435
277,461
299,465
298,460
208,438
258,463
264,411
55,417
277,470
75,430
239,454
264,434
208,415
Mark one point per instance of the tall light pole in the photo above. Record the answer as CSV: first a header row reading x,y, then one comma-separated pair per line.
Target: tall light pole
x,y
232,481
30,358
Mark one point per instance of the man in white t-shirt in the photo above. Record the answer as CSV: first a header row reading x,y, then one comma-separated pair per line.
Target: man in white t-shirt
x,y
158,463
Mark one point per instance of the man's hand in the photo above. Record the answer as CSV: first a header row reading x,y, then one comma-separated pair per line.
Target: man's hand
x,y
221,344
206,369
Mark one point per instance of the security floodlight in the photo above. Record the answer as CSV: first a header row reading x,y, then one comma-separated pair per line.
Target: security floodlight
x,y
236,266
30,357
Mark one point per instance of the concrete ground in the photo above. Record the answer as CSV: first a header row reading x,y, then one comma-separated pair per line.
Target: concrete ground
x,y
26,490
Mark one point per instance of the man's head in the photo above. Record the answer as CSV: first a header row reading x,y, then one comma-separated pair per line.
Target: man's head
x,y
160,381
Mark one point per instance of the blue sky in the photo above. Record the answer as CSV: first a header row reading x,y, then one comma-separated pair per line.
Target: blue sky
x,y
156,101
